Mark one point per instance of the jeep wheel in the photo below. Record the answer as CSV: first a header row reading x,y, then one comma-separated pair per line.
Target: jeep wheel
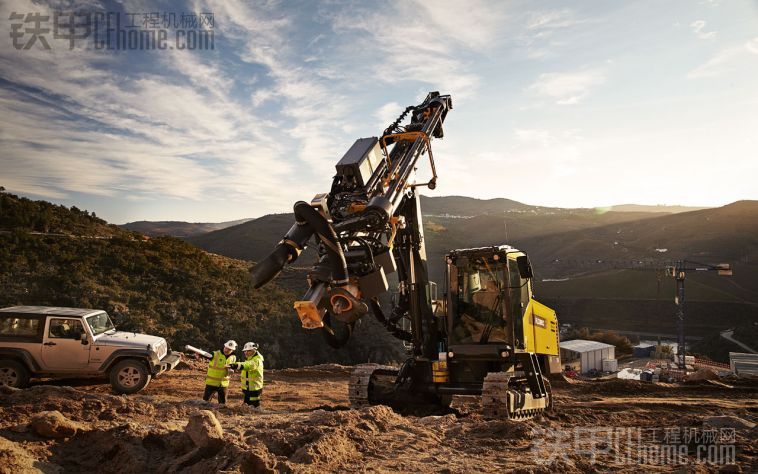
x,y
13,374
129,376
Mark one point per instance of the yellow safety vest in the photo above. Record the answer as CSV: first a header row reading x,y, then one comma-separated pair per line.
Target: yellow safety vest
x,y
252,373
218,375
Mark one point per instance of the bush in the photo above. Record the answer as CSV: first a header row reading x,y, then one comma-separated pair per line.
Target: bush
x,y
622,343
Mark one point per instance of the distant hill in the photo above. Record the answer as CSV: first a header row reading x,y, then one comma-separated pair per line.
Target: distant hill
x,y
728,233
54,256
178,228
451,222
584,254
657,208
252,240
462,206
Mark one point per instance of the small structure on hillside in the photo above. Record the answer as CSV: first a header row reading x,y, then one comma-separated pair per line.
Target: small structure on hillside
x,y
643,349
584,356
744,364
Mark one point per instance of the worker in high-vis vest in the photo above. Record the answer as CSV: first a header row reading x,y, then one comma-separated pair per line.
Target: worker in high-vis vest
x,y
251,376
219,372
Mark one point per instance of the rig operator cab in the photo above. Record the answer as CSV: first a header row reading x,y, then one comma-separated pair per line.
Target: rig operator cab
x,y
494,326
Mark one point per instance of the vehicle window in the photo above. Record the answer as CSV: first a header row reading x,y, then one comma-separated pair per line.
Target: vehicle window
x,y
100,323
65,329
519,297
479,304
15,326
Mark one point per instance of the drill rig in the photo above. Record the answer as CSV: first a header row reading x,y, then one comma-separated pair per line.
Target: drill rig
x,y
486,337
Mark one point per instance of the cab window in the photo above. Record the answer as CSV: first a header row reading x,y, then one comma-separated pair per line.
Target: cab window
x,y
65,329
518,292
13,326
479,315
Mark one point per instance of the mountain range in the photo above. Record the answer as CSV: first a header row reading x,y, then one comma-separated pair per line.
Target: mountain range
x,y
178,228
597,267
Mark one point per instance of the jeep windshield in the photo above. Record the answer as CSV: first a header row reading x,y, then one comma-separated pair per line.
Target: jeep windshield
x,y
100,323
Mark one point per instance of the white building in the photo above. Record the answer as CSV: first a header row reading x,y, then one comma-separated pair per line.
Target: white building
x,y
744,364
584,356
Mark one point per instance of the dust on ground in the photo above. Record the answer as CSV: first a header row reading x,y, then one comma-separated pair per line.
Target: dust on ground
x,y
306,426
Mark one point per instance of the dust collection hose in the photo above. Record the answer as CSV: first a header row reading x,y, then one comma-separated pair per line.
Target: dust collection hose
x,y
309,221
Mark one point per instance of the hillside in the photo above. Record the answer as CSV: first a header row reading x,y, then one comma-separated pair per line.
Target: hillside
x,y
450,222
462,206
583,254
657,208
178,228
252,240
162,285
728,233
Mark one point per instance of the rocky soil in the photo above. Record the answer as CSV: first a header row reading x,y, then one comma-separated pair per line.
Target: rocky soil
x,y
306,426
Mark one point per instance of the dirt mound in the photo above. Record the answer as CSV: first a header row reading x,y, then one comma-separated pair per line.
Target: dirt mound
x,y
15,459
330,439
702,374
306,426
620,387
74,404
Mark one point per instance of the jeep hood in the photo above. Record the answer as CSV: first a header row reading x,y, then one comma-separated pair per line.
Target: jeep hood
x,y
127,339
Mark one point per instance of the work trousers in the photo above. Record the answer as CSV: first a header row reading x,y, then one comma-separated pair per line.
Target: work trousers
x,y
220,391
253,397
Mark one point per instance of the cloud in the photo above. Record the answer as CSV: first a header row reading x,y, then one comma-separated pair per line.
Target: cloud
x,y
725,60
81,122
541,33
566,88
416,41
698,27
551,19
387,113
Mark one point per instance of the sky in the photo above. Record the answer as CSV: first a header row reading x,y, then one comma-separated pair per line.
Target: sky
x,y
568,104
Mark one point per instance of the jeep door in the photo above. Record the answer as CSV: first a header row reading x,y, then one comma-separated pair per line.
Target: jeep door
x,y
62,348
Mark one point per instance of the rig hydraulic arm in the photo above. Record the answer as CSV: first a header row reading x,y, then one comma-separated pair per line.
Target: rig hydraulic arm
x,y
367,226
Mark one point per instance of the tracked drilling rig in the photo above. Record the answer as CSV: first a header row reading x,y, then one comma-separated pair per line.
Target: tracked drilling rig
x,y
487,336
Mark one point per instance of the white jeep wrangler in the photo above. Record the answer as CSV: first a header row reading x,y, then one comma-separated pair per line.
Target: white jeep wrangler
x,y
39,341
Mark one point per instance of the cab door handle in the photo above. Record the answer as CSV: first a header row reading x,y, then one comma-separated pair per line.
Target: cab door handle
x,y
49,344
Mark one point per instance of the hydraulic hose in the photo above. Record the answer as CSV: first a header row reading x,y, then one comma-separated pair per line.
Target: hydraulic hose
x,y
309,221
267,269
304,212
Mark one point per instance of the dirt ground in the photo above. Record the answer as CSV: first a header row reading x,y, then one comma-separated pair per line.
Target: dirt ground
x,y
307,426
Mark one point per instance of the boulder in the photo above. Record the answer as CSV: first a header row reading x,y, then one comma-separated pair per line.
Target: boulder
x,y
52,424
702,374
205,430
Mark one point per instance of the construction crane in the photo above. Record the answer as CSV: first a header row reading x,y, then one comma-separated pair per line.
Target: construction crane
x,y
487,336
675,269
678,270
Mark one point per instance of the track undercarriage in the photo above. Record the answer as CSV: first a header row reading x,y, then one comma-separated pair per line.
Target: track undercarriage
x,y
376,385
505,395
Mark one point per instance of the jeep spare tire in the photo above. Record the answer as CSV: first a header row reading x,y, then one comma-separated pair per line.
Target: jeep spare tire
x,y
129,376
13,374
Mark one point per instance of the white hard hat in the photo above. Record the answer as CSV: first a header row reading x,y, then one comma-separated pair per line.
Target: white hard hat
x,y
250,346
231,344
